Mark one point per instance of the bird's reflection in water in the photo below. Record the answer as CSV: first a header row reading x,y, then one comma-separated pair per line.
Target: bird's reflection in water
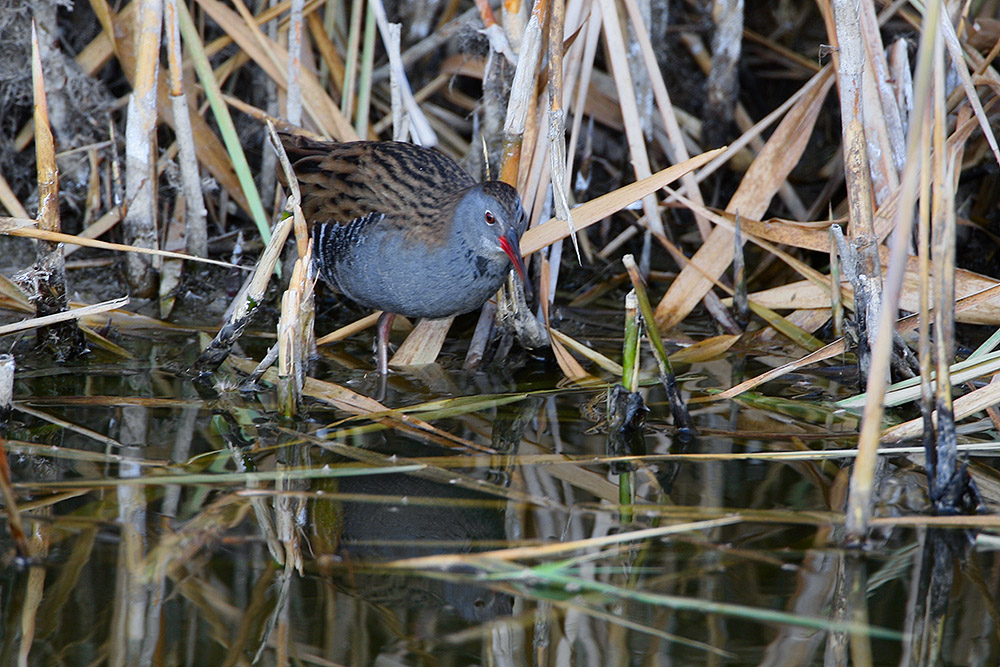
x,y
410,517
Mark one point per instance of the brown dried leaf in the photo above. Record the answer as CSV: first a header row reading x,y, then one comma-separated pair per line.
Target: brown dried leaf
x,y
705,350
780,155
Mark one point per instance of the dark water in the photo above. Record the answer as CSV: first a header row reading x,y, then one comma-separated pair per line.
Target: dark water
x,y
132,569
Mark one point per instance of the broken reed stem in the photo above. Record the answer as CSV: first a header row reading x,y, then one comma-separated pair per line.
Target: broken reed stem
x,y
247,301
522,95
289,356
741,301
630,347
652,333
682,418
836,297
630,381
45,156
296,334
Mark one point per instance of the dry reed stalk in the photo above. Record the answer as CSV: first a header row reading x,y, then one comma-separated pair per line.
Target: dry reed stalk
x,y
958,60
514,18
557,124
924,311
587,353
331,61
601,207
522,94
423,344
26,229
946,476
722,87
351,329
211,152
581,72
613,29
363,111
242,27
351,59
863,476
862,262
883,116
293,96
65,316
9,200
741,306
678,150
195,230
47,278
139,222
570,367
419,127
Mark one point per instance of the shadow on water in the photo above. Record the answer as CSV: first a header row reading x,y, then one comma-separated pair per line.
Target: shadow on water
x,y
397,517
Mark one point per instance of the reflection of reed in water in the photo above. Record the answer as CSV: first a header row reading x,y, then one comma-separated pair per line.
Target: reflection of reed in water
x,y
411,517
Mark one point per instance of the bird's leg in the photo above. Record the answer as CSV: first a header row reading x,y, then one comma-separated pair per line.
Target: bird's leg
x,y
382,329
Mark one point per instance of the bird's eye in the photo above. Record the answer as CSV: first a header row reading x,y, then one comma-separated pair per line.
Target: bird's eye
x,y
490,219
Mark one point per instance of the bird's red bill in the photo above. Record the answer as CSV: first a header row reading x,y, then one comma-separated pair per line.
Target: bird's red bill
x,y
510,245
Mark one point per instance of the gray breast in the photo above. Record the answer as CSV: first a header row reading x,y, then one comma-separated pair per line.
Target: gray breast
x,y
380,268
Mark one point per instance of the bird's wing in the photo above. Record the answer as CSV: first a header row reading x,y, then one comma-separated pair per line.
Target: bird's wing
x,y
342,182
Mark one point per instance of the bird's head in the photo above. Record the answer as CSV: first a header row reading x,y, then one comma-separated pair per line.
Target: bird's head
x,y
491,213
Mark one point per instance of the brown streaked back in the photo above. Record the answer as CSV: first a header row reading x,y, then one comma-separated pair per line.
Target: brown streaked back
x,y
413,187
